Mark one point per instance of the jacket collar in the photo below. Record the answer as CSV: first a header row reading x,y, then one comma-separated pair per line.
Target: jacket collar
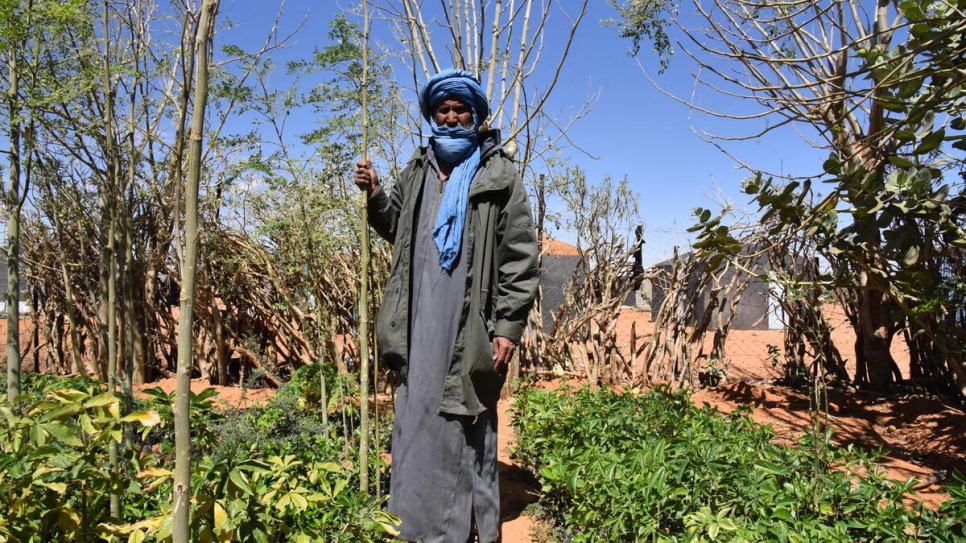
x,y
498,178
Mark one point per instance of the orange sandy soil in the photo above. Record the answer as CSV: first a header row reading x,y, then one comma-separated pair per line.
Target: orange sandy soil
x,y
922,437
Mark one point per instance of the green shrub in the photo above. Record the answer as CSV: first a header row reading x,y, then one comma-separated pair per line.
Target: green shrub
x,y
654,467
267,473
264,475
37,385
55,477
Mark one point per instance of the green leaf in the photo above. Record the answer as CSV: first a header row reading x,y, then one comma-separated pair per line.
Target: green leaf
x,y
146,418
164,527
62,433
901,162
203,395
769,467
238,478
909,88
911,257
330,467
100,401
714,262
891,103
931,142
63,411
299,501
832,165
59,488
86,424
574,482
340,485
904,135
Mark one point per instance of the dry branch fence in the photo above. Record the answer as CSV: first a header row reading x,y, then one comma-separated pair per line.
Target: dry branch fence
x,y
688,337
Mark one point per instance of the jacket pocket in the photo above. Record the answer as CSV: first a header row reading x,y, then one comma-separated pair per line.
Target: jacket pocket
x,y
480,345
392,327
487,382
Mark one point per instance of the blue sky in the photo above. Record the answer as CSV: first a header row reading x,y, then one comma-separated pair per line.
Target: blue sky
x,y
633,130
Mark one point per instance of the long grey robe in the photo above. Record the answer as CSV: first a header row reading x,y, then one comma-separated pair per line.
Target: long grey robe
x,y
444,475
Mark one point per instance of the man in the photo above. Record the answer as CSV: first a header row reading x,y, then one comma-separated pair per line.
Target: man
x,y
463,280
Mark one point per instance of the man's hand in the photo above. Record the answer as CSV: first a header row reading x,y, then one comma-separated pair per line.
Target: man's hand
x,y
502,353
366,177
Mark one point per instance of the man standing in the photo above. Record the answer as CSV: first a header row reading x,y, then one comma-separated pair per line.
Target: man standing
x,y
463,280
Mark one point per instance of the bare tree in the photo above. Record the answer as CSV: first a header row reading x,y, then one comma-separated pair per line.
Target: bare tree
x,y
583,336
502,42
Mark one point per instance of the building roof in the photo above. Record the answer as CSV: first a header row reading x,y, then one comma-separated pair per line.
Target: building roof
x,y
555,247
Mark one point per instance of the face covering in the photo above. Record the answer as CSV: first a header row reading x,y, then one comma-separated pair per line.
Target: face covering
x,y
459,147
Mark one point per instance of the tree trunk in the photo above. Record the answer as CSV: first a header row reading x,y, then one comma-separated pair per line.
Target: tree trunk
x,y
875,337
363,307
13,236
181,532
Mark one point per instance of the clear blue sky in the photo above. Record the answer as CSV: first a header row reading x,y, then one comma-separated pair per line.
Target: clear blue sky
x,y
634,129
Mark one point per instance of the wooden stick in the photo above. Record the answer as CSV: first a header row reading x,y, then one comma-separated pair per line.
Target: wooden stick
x,y
364,274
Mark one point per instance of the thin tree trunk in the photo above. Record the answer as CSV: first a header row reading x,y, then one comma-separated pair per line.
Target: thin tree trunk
x,y
323,393
221,348
494,44
13,235
129,324
112,356
110,198
521,62
77,364
364,277
181,532
133,365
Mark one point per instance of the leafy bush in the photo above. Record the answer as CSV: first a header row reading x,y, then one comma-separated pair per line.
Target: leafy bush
x,y
627,467
55,478
37,385
264,474
273,473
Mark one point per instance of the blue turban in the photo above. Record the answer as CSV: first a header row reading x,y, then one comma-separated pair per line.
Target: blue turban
x,y
458,84
458,147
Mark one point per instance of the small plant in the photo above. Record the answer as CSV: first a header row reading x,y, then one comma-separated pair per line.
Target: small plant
x,y
775,354
712,374
654,467
204,418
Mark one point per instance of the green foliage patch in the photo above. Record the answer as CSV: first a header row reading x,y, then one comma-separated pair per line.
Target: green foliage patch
x,y
654,467
266,474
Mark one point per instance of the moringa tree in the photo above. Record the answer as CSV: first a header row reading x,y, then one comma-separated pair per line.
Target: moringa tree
x,y
204,29
29,30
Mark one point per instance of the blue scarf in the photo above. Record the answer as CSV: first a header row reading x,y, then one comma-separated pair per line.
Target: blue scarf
x,y
448,230
459,147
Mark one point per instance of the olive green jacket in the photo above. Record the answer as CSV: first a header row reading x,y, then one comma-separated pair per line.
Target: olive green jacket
x,y
500,248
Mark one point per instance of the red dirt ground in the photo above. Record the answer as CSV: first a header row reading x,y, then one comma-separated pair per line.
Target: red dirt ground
x,y
922,437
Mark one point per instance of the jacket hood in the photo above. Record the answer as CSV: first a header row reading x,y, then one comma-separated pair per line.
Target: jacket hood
x,y
490,142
